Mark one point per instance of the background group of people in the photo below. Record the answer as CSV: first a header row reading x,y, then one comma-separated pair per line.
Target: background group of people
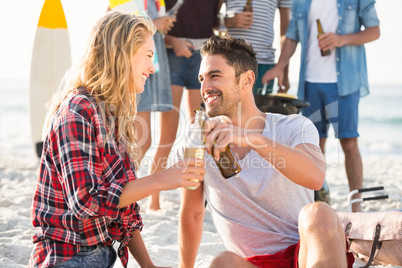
x,y
87,188
194,24
344,70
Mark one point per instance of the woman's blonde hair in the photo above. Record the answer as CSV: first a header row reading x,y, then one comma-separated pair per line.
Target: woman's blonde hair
x,y
105,70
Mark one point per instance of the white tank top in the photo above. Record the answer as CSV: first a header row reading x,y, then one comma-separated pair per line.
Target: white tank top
x,y
321,69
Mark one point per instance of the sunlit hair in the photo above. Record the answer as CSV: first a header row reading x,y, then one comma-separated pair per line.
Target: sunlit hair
x,y
105,70
237,52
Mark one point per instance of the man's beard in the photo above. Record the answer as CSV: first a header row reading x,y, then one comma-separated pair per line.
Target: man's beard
x,y
229,104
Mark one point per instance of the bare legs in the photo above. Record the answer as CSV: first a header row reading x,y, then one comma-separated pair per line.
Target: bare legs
x,y
322,239
229,259
194,100
353,165
169,122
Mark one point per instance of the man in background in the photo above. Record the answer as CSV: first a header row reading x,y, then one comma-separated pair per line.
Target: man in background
x,y
332,84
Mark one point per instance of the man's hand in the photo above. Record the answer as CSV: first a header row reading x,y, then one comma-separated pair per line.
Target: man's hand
x,y
220,133
164,24
278,72
285,85
183,48
240,20
330,40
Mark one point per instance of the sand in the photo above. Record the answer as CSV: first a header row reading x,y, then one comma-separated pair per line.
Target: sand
x,y
18,174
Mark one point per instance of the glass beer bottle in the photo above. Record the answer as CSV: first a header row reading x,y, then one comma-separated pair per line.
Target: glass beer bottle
x,y
227,163
248,6
175,9
321,32
222,30
196,141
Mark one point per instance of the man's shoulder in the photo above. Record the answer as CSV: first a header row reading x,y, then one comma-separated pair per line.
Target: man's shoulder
x,y
285,118
275,121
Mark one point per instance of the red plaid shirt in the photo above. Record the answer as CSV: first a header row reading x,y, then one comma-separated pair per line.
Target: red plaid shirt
x,y
82,174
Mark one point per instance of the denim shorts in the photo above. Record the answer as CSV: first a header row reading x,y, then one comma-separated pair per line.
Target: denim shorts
x,y
157,96
327,107
91,256
184,71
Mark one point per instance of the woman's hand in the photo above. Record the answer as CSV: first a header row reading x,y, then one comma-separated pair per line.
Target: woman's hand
x,y
188,172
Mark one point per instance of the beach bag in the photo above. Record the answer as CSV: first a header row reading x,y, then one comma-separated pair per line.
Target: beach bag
x,y
374,237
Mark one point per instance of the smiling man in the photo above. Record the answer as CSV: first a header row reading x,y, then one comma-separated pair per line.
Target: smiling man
x,y
265,215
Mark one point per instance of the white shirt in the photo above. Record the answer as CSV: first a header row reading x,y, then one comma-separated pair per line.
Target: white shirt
x,y
321,69
256,212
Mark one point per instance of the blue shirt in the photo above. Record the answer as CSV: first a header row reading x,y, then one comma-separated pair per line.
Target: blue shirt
x,y
351,64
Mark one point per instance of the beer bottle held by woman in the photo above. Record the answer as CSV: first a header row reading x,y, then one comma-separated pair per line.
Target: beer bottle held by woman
x,y
195,147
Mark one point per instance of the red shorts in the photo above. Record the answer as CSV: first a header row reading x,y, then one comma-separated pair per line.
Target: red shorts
x,y
286,258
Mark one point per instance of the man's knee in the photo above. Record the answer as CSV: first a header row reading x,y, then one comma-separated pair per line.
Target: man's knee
x,y
349,145
224,259
317,217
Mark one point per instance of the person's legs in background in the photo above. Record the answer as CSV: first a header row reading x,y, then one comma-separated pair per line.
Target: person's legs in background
x,y
342,112
184,74
348,136
168,122
316,112
354,167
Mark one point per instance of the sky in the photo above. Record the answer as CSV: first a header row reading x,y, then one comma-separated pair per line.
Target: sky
x,y
18,23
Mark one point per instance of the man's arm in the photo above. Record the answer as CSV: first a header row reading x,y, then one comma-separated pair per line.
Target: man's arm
x,y
287,52
330,40
190,225
284,14
304,164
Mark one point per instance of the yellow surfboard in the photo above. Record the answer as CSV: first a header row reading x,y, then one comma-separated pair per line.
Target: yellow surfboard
x,y
51,57
129,6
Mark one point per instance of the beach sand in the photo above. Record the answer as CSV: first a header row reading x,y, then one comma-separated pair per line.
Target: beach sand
x,y
18,176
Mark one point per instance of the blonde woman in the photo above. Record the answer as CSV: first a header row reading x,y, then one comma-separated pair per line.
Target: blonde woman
x,y
86,194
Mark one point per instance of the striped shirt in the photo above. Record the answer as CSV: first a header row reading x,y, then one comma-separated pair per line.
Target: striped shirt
x,y
82,175
261,33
